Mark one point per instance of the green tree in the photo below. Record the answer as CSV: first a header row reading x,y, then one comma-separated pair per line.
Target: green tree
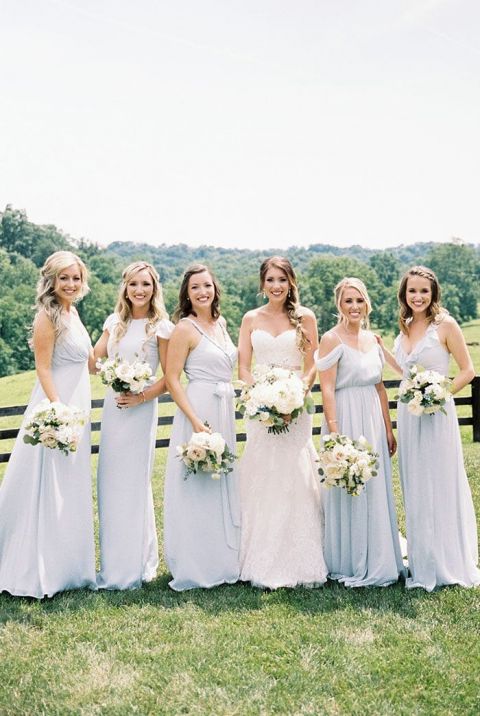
x,y
322,276
458,266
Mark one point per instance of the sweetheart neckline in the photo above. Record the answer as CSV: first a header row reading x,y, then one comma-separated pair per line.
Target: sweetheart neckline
x,y
271,334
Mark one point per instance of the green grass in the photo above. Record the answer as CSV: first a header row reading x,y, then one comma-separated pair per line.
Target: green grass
x,y
238,650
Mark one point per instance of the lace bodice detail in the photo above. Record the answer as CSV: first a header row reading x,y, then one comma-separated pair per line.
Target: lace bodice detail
x,y
281,350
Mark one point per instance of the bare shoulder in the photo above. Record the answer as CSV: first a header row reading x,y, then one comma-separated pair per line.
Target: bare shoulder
x,y
42,322
447,325
250,317
329,340
304,312
183,329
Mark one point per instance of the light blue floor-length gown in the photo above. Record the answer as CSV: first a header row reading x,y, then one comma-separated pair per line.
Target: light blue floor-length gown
x,y
46,517
282,528
362,545
441,527
202,516
128,535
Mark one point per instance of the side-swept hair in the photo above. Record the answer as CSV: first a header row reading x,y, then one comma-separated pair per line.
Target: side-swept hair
x,y
46,298
184,306
352,282
434,310
156,309
292,302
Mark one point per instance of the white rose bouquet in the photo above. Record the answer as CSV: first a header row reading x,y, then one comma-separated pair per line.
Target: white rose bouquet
x,y
55,425
206,452
346,463
122,376
425,391
277,397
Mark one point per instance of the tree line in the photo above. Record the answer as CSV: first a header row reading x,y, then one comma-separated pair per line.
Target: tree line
x,y
24,246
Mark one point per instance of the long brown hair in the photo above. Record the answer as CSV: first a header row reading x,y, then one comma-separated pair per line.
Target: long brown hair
x,y
292,302
435,308
184,306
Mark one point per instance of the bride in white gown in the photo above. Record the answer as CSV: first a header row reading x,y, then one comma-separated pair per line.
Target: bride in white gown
x,y
281,544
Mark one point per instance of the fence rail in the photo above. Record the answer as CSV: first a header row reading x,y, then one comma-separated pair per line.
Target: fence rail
x,y
473,419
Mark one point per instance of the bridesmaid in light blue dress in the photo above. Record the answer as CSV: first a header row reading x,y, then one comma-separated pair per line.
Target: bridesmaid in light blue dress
x,y
46,515
139,328
441,526
362,546
202,517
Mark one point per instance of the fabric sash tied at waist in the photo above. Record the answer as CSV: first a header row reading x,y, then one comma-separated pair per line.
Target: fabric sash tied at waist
x,y
225,392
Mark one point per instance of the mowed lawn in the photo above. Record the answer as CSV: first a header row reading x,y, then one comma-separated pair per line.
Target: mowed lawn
x,y
239,650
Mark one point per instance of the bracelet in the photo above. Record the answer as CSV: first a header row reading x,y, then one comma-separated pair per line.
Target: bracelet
x,y
142,393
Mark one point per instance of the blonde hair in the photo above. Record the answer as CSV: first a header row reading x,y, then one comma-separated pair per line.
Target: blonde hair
x,y
46,298
434,310
292,302
156,309
352,282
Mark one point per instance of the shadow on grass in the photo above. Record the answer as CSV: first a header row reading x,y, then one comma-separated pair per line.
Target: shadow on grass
x,y
225,599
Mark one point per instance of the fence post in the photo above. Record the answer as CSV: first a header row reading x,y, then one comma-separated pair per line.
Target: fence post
x,y
476,408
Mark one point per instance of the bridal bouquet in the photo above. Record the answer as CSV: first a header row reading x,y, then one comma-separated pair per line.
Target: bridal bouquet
x,y
123,376
346,463
206,452
425,391
55,426
277,397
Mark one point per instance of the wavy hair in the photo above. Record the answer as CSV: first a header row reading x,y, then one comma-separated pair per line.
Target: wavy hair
x,y
292,302
123,308
434,310
184,306
46,298
352,282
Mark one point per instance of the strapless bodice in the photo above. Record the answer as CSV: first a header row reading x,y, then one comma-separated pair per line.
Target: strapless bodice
x,y
281,350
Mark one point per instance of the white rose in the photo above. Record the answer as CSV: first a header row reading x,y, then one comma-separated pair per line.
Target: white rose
x,y
124,372
199,439
251,408
65,434
142,370
217,443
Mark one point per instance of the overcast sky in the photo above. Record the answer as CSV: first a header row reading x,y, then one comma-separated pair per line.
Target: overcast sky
x,y
243,122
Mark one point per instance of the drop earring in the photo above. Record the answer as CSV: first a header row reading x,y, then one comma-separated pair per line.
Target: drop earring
x,y
264,295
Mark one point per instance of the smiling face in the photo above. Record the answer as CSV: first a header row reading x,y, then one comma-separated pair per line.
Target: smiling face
x,y
68,284
139,291
418,294
352,305
201,291
276,285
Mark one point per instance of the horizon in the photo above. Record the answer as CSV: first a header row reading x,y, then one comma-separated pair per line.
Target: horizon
x,y
241,125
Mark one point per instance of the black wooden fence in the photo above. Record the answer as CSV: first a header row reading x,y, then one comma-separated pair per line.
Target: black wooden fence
x,y
472,400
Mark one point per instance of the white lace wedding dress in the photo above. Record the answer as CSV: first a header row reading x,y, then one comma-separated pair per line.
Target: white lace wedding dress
x,y
282,523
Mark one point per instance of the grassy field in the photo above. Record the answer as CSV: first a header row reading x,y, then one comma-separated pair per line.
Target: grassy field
x,y
238,650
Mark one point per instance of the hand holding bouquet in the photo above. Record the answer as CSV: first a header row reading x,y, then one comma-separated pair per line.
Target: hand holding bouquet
x,y
122,376
425,391
277,397
346,463
206,452
55,426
